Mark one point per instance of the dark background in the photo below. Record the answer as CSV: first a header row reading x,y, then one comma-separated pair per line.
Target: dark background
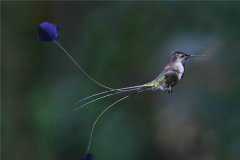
x,y
121,44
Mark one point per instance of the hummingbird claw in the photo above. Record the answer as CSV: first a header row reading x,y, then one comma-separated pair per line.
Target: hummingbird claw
x,y
169,90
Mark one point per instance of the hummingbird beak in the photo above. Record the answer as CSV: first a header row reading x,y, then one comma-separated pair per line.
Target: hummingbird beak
x,y
189,56
192,55
195,56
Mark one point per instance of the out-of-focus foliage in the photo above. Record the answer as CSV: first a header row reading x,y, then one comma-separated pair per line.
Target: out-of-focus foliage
x,y
121,43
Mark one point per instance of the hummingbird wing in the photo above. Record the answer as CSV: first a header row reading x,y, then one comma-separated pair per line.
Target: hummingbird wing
x,y
171,78
167,78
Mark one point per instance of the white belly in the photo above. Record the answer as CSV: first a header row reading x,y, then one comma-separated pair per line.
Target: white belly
x,y
180,69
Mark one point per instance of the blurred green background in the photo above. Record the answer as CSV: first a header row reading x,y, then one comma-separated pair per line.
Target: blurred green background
x,y
121,44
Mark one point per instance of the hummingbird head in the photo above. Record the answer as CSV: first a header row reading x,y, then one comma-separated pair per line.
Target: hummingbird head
x,y
181,57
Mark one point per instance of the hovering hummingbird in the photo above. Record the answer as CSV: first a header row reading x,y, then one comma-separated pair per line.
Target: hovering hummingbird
x,y
172,73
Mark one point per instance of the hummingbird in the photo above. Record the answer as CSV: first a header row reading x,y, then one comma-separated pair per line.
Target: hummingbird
x,y
172,73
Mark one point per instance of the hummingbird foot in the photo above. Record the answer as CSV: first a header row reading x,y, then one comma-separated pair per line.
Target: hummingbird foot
x,y
169,90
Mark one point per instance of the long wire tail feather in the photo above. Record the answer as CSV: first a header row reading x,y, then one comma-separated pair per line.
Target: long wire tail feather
x,y
98,118
80,68
91,96
94,100
109,95
131,87
107,92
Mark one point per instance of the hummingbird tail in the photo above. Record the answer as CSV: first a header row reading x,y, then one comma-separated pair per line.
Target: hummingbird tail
x,y
98,118
102,95
79,67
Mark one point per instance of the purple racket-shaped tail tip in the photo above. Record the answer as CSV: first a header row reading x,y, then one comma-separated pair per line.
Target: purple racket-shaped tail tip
x,y
48,32
88,156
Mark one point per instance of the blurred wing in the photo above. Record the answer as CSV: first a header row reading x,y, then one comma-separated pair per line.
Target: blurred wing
x,y
171,78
